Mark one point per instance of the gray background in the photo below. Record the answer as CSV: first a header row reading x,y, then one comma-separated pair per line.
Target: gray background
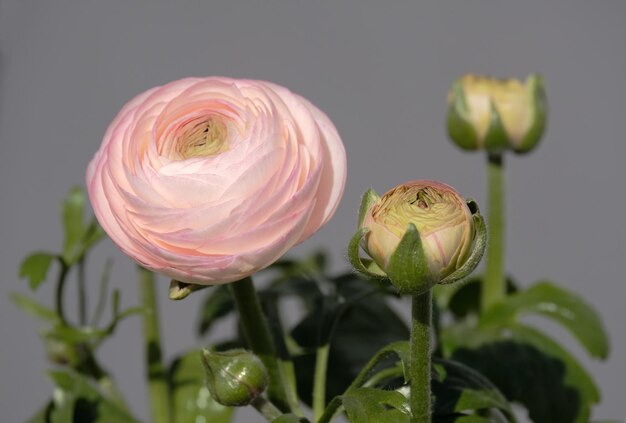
x,y
381,72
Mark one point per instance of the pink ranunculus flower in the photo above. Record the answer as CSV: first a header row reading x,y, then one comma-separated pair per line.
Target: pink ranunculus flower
x,y
208,180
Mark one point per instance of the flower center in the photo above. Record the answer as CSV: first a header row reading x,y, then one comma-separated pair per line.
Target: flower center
x,y
206,137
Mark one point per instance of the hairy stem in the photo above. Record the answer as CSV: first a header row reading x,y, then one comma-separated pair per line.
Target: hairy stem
x,y
494,287
259,338
266,408
419,368
157,383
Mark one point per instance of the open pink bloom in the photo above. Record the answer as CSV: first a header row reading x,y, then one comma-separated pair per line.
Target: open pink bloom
x,y
208,180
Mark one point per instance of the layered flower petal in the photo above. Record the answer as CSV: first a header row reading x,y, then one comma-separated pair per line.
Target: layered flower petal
x,y
208,180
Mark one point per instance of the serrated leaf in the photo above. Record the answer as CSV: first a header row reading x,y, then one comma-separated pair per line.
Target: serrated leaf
x,y
529,368
458,388
35,268
191,400
33,308
371,405
350,350
558,304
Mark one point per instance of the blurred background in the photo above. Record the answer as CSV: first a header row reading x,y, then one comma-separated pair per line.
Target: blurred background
x,y
381,72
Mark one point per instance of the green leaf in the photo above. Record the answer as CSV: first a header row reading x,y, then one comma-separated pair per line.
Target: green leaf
x,y
529,368
560,305
463,299
77,399
371,405
217,304
458,388
408,268
33,308
191,400
35,268
350,350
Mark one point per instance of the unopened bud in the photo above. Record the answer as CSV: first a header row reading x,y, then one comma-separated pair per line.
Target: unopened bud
x,y
235,378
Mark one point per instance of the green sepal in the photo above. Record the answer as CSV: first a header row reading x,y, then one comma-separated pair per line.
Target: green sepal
x,y
496,139
408,268
540,115
369,198
476,255
460,129
180,290
354,246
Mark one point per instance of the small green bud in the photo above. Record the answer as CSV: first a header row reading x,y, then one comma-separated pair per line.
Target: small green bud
x,y
496,115
235,378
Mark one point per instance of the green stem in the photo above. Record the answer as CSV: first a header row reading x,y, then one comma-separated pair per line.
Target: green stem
x,y
494,288
419,368
258,337
284,358
266,408
157,383
319,382
82,294
60,288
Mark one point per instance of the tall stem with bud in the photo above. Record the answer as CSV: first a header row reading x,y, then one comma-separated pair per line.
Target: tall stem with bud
x,y
494,284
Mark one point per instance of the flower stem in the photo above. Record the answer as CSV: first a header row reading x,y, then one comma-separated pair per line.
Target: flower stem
x,y
493,287
258,337
157,383
82,294
60,288
319,382
419,369
266,408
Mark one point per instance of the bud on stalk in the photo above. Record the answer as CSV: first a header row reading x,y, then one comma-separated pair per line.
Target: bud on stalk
x,y
496,115
419,234
235,378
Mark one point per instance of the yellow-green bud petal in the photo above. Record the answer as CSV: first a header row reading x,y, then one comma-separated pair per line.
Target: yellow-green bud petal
x,y
440,215
492,114
235,378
